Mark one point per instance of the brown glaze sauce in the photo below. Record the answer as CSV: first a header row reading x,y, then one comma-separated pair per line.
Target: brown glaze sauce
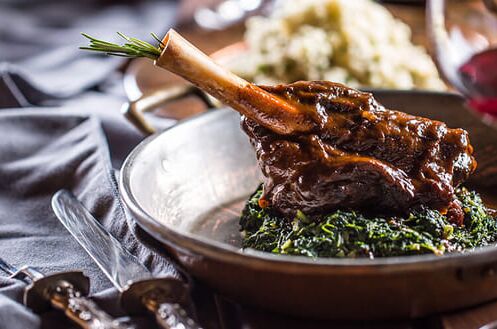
x,y
357,154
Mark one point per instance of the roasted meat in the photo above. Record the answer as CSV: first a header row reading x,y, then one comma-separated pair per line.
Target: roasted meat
x,y
323,146
358,155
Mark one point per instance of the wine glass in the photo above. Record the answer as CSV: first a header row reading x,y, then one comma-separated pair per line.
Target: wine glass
x,y
464,38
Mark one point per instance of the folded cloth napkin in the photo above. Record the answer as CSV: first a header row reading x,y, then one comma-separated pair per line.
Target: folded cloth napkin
x,y
75,144
42,151
41,38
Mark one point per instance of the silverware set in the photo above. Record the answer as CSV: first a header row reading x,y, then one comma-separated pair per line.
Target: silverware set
x,y
167,299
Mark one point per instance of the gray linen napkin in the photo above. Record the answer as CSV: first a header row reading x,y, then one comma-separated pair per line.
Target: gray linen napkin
x,y
41,37
75,145
42,151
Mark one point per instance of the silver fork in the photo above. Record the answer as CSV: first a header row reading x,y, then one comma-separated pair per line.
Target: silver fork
x,y
65,291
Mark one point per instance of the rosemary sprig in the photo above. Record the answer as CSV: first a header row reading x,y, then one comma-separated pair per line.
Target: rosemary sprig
x,y
132,48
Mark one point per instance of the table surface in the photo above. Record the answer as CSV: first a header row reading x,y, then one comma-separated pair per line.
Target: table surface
x,y
235,316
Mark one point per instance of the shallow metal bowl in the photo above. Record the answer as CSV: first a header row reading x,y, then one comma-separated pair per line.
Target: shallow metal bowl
x,y
187,185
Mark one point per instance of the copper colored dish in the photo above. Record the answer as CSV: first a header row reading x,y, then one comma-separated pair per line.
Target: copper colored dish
x,y
187,185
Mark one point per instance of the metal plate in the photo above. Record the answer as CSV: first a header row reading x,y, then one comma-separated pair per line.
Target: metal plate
x,y
186,186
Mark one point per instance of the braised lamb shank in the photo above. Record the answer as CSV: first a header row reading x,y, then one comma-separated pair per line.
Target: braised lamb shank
x,y
358,155
323,146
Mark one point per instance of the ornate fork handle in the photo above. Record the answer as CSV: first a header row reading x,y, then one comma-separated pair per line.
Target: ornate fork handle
x,y
83,311
172,316
162,297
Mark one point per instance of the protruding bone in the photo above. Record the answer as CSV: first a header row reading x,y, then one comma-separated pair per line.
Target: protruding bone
x,y
182,58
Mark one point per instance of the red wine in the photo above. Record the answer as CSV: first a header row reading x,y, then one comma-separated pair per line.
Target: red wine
x,y
479,76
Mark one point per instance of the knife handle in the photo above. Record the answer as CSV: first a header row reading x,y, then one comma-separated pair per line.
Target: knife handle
x,y
81,310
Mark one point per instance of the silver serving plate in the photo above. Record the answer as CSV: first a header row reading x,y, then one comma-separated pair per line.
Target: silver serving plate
x,y
186,187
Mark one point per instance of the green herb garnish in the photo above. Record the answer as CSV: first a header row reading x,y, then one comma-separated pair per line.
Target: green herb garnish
x,y
133,47
352,234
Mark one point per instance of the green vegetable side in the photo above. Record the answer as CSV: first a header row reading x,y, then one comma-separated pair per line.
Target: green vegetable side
x,y
352,234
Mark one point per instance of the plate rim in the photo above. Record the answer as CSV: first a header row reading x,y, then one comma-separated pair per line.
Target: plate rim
x,y
223,252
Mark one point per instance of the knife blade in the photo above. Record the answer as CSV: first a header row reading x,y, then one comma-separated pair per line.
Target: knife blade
x,y
64,291
140,290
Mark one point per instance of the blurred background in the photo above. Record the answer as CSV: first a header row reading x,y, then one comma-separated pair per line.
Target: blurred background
x,y
363,43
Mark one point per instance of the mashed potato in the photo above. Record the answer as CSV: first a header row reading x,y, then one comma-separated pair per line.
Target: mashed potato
x,y
357,42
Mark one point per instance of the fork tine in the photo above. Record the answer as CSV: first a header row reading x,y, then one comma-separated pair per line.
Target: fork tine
x,y
23,273
7,268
